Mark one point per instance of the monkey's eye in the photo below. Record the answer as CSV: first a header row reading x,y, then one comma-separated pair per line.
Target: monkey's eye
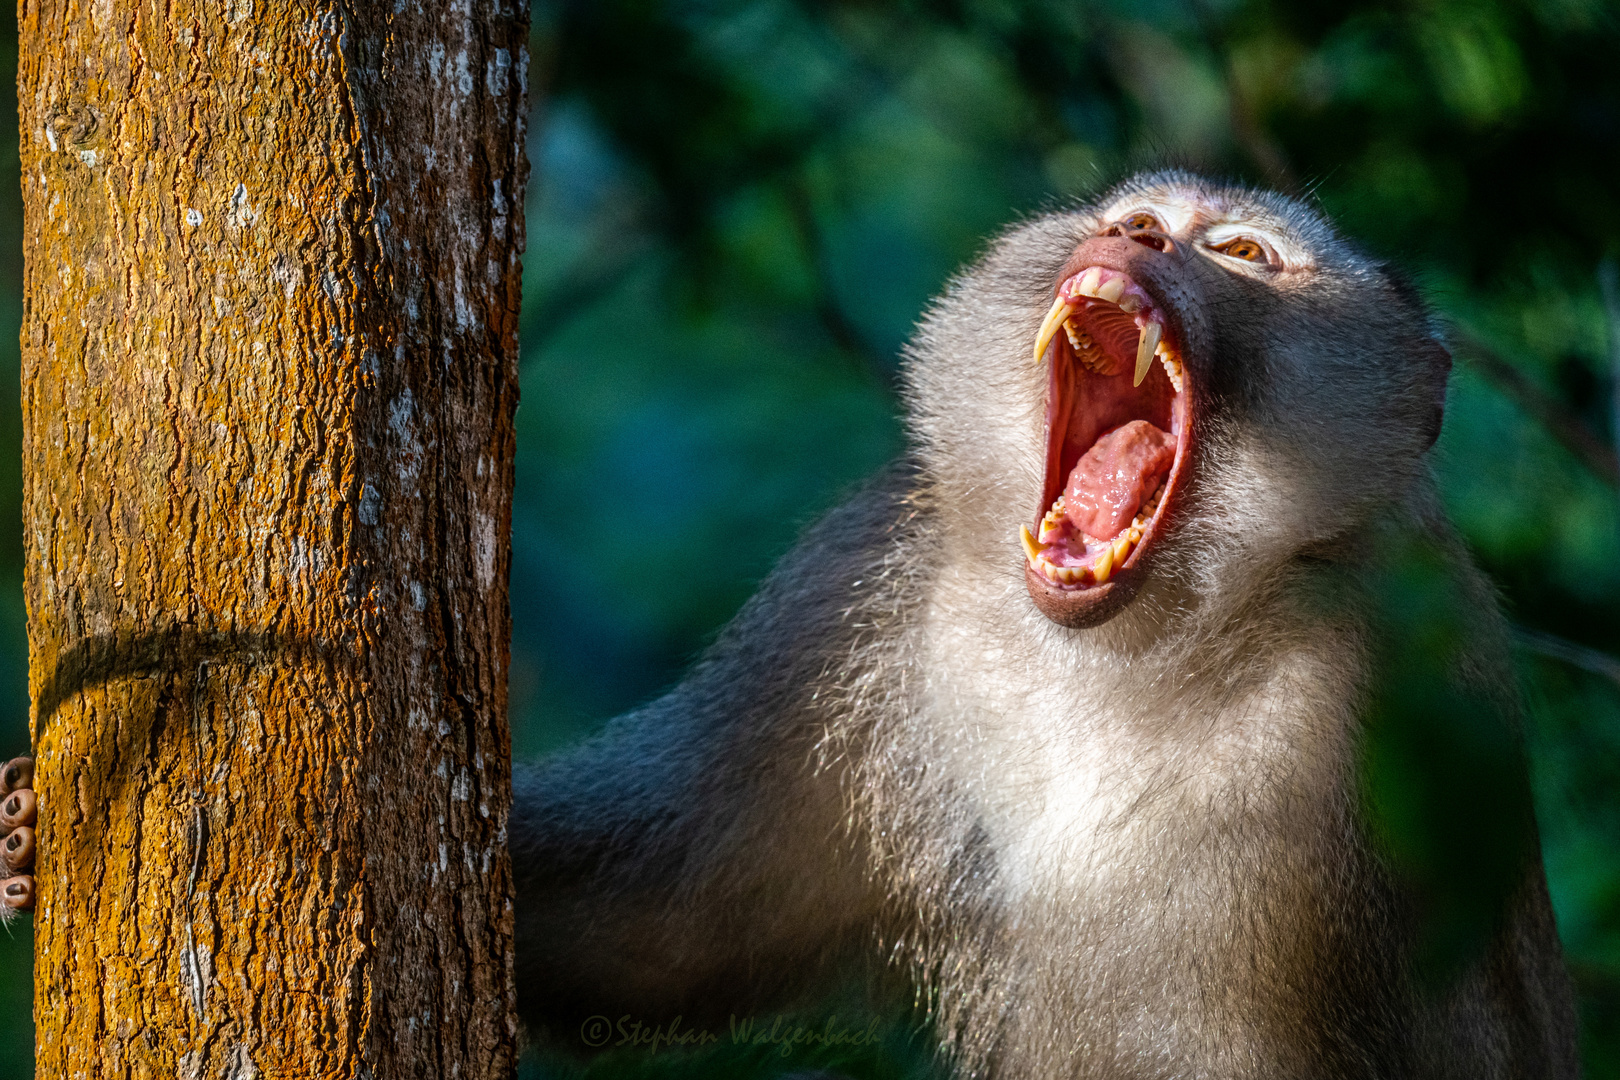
x,y
1246,248
1143,220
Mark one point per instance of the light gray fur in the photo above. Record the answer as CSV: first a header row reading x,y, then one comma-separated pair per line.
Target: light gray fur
x,y
1126,851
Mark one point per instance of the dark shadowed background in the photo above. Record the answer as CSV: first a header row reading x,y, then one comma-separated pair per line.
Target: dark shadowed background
x,y
739,207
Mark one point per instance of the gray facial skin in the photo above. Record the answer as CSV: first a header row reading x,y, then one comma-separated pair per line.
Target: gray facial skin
x,y
1114,826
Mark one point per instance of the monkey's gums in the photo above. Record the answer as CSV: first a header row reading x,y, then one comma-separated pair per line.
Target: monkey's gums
x,y
269,377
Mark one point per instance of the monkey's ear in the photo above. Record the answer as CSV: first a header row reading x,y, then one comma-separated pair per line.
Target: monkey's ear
x,y
1435,359
1430,353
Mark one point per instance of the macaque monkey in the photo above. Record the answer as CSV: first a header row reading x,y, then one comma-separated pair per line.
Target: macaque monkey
x,y
1065,716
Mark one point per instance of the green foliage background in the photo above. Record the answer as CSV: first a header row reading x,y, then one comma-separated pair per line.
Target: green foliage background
x,y
739,207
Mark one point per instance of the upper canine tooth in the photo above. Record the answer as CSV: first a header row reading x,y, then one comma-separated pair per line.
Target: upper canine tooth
x,y
1087,285
1049,327
1144,350
1111,291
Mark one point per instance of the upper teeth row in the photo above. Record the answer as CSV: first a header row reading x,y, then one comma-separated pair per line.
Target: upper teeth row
x,y
1172,366
1085,350
1090,283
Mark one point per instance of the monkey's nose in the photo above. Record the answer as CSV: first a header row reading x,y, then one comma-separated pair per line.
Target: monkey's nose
x,y
1147,237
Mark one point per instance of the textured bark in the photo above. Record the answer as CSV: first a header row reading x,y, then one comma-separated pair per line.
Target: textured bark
x,y
269,371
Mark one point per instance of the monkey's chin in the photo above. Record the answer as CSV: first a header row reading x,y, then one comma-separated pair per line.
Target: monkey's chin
x,y
1079,609
1118,438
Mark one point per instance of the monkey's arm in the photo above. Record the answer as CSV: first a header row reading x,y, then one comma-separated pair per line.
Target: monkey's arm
x,y
693,859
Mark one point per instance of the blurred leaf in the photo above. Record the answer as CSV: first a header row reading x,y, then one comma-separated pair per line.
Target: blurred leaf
x,y
1446,781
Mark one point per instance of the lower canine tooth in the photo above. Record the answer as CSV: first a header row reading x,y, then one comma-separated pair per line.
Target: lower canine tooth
x,y
1122,548
1031,547
1104,566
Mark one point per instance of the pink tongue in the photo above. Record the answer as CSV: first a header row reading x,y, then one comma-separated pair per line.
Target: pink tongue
x,y
1120,470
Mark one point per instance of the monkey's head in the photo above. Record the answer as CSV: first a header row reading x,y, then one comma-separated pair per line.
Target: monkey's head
x,y
1204,379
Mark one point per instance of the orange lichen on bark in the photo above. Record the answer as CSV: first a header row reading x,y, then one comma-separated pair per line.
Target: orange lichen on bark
x,y
269,374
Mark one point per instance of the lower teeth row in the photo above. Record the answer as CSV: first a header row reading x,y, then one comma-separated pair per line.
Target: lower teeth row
x,y
1103,566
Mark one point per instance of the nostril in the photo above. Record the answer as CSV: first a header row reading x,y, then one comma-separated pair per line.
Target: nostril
x,y
1145,235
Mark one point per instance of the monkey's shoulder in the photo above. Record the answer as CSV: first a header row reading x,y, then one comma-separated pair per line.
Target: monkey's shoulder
x,y
861,564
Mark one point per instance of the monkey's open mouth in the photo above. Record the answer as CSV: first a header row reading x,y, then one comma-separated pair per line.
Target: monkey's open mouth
x,y
1116,439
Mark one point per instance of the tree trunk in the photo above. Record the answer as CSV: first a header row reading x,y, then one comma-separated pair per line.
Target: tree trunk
x,y
269,371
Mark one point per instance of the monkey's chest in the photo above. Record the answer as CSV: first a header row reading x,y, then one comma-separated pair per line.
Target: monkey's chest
x,y
1138,807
